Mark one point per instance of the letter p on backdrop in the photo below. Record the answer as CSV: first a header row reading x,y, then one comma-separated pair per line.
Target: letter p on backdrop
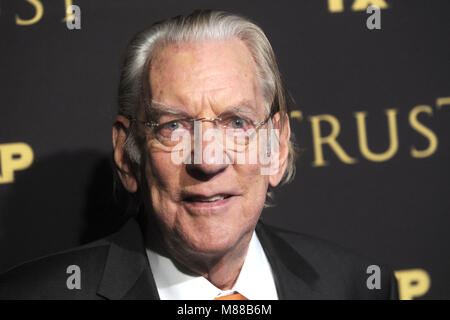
x,y
14,157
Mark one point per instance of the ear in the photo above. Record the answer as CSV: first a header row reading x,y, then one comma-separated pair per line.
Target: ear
x,y
283,149
119,135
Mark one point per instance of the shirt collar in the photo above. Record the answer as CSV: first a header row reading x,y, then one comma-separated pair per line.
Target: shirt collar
x,y
255,280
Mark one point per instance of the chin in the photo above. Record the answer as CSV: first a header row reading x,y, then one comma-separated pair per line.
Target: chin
x,y
215,240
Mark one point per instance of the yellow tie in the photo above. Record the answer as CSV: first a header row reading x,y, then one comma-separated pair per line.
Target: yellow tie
x,y
233,296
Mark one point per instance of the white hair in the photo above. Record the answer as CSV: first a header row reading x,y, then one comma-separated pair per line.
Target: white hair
x,y
198,26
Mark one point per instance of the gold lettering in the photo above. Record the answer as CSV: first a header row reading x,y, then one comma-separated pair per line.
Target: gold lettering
x,y
412,283
442,102
39,13
318,140
362,137
13,157
336,5
426,132
69,13
361,5
296,114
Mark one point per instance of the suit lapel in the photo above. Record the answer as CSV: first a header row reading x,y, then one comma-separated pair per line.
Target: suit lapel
x,y
127,274
295,278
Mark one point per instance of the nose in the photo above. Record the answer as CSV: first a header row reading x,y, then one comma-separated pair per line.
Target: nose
x,y
209,155
205,172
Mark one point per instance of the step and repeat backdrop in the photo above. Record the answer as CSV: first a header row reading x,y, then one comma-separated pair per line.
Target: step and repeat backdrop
x,y
372,116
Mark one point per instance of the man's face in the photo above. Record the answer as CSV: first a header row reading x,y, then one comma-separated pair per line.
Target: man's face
x,y
203,80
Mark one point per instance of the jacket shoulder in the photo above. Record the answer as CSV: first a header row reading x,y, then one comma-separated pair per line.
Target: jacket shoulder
x,y
48,277
341,273
315,248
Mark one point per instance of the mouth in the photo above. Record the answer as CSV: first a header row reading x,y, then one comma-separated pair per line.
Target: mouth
x,y
211,199
216,202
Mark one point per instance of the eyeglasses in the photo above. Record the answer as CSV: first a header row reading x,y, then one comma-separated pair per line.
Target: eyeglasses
x,y
237,129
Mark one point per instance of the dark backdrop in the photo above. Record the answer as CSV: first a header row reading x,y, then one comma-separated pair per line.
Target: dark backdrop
x,y
58,99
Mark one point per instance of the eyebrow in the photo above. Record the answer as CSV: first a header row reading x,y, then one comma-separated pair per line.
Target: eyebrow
x,y
240,109
160,108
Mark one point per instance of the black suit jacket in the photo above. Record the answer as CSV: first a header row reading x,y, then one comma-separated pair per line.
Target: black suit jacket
x,y
117,267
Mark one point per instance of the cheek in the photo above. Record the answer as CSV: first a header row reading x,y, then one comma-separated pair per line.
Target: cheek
x,y
254,183
163,178
160,170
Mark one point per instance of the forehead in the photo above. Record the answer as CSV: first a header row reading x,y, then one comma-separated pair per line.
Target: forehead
x,y
216,73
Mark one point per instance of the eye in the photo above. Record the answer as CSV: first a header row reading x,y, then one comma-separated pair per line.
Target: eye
x,y
176,126
172,126
238,123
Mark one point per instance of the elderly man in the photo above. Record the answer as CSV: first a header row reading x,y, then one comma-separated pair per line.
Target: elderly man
x,y
200,198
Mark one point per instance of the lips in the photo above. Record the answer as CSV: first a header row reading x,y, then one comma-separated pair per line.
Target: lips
x,y
218,202
197,198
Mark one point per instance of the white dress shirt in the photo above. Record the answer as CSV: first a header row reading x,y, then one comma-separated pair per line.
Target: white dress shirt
x,y
255,281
